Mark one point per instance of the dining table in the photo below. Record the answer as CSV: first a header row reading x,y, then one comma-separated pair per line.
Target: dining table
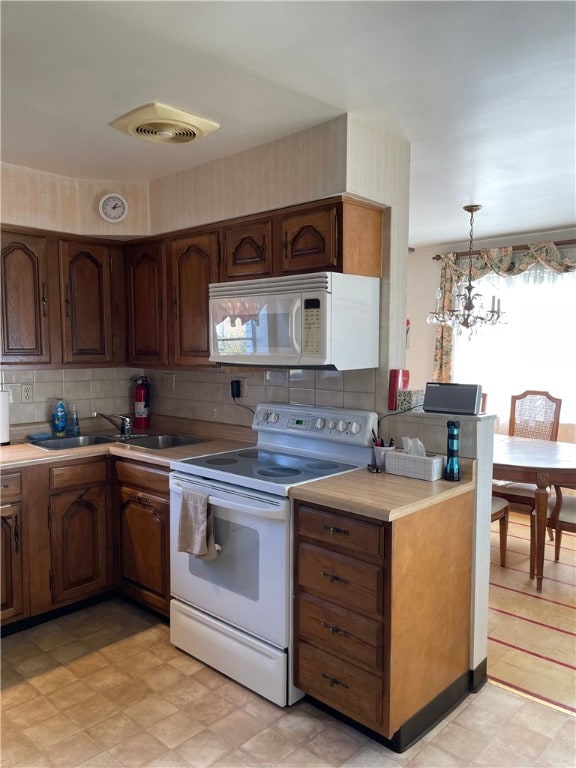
x,y
542,463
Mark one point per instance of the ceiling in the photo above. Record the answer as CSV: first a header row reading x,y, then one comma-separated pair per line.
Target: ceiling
x,y
483,91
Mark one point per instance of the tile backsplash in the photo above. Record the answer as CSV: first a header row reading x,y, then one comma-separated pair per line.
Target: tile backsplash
x,y
202,393
35,392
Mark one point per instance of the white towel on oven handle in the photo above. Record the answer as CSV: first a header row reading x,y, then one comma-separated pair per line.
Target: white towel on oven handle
x,y
196,526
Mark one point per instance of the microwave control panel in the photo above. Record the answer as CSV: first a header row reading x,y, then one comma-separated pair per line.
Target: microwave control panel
x,y
312,327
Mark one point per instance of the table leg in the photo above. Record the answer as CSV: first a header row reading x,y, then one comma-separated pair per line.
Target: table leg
x,y
541,517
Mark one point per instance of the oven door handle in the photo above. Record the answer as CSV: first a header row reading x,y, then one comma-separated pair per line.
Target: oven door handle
x,y
254,505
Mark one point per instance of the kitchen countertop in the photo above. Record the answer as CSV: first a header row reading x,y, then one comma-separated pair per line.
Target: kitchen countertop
x,y
381,496
23,454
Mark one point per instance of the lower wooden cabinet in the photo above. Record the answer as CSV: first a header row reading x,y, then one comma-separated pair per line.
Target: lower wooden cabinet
x,y
56,537
78,545
14,563
382,614
142,534
78,530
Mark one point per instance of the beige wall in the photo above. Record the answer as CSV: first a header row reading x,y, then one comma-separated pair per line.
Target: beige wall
x,y
343,155
49,201
309,165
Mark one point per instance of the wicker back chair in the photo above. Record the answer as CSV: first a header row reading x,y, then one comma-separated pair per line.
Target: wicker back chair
x,y
535,414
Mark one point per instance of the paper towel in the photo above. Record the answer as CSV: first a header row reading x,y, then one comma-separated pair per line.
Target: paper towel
x,y
4,418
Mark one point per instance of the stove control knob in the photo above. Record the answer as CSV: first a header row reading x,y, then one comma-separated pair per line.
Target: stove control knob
x,y
319,423
332,424
355,428
274,418
265,416
342,426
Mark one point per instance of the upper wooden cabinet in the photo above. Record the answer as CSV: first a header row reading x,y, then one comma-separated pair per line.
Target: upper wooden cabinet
x,y
310,240
86,306
146,303
28,300
146,292
62,301
193,266
247,249
339,235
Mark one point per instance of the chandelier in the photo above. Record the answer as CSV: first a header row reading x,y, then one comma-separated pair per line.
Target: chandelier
x,y
467,309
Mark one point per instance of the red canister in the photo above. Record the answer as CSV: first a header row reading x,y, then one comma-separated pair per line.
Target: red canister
x,y
142,403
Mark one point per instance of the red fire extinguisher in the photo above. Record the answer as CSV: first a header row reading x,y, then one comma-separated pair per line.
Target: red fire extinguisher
x,y
142,403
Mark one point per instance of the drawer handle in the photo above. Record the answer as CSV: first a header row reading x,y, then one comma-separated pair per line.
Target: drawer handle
x,y
332,577
332,530
333,681
335,630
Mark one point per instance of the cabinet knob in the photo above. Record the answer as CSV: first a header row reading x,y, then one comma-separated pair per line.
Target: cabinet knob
x,y
333,530
334,680
335,630
332,577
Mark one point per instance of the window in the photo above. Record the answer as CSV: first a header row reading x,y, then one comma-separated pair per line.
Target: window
x,y
534,350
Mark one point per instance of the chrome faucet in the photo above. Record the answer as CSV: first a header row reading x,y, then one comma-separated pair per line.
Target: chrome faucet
x,y
125,424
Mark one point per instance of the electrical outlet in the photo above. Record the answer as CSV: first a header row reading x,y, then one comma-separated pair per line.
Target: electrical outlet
x,y
238,388
169,382
26,393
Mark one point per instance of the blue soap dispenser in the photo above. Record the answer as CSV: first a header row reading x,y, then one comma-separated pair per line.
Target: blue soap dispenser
x,y
59,420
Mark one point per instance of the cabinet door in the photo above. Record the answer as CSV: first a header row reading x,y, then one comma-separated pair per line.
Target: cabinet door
x,y
194,262
25,300
309,240
143,547
12,568
247,249
86,312
146,287
78,544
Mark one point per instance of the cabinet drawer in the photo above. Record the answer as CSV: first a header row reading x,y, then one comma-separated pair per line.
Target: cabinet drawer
x,y
343,580
343,686
87,473
142,476
340,632
354,535
11,486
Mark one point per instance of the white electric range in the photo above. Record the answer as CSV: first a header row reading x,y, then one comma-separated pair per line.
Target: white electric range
x,y
235,612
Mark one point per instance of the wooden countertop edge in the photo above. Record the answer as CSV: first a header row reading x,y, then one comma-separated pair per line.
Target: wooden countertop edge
x,y
25,454
383,496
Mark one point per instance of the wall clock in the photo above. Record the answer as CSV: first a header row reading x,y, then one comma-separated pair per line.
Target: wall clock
x,y
113,208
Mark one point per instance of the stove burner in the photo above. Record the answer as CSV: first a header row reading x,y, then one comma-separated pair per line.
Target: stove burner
x,y
278,472
221,462
319,464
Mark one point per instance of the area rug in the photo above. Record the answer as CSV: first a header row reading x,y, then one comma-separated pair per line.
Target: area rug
x,y
532,635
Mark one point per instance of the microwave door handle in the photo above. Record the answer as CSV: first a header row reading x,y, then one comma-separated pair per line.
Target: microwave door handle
x,y
296,326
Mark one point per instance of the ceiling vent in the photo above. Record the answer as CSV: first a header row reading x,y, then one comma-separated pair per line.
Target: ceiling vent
x,y
164,124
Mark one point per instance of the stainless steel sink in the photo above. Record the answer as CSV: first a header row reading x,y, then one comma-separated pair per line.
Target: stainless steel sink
x,y
159,442
65,443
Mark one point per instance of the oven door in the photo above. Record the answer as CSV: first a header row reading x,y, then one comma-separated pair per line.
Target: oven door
x,y
248,329
248,584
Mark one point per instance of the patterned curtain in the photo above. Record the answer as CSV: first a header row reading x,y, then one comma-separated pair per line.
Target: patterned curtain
x,y
505,262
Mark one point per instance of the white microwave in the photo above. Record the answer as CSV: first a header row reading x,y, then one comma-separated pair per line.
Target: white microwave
x,y
318,320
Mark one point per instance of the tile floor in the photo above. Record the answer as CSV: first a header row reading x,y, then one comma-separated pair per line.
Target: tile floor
x,y
104,687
